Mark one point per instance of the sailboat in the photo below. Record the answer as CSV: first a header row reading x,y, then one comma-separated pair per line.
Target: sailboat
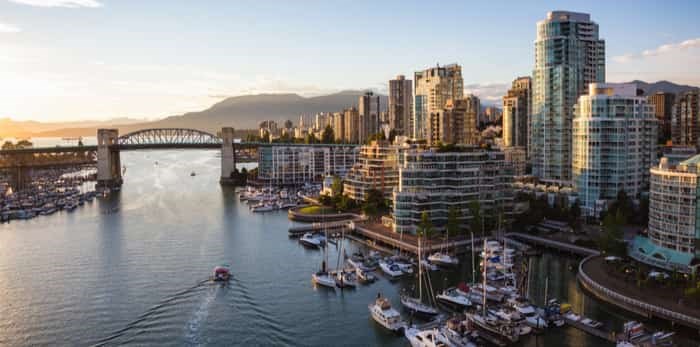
x,y
344,279
416,305
323,277
442,258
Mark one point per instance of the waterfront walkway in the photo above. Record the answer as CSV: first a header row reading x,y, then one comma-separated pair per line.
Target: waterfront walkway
x,y
549,243
646,302
409,243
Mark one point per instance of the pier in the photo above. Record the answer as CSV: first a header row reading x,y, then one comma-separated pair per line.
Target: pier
x,y
558,245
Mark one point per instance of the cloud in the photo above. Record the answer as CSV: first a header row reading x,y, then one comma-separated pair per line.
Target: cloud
x,y
60,3
489,92
8,29
661,50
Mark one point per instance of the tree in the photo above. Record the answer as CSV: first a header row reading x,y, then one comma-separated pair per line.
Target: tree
x,y
328,135
23,144
425,228
288,124
310,139
337,186
453,221
265,137
475,224
8,145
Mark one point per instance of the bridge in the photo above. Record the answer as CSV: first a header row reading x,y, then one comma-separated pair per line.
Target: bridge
x,y
106,154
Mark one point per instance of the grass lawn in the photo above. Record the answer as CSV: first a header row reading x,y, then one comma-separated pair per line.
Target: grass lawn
x,y
316,210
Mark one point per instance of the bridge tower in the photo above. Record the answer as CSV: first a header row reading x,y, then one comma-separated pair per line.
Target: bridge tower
x,y
228,155
109,172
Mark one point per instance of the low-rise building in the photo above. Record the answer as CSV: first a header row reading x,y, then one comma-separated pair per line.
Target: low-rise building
x,y
376,168
296,164
432,181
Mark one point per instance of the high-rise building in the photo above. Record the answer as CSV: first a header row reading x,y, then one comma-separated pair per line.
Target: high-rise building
x,y
663,104
455,124
352,125
456,178
516,113
433,87
569,55
400,104
339,126
674,240
368,106
376,168
614,144
685,118
296,164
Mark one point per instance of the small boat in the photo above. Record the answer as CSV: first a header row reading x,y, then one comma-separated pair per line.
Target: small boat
x,y
344,279
443,259
323,278
415,305
591,323
262,208
365,276
452,296
385,315
311,240
426,338
390,269
222,273
493,325
192,174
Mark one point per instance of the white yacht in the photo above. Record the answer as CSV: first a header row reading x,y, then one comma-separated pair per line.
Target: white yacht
x,y
364,275
443,259
345,279
528,312
323,278
385,315
426,338
311,240
453,296
263,208
390,269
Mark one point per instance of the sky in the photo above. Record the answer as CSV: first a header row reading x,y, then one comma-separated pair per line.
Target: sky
x,y
66,60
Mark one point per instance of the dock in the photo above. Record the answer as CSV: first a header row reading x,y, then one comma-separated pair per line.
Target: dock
x,y
558,245
332,228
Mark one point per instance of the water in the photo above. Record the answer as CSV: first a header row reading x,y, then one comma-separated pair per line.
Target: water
x,y
137,276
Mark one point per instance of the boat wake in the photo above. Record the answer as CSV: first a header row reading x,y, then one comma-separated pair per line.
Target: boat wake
x,y
192,328
136,326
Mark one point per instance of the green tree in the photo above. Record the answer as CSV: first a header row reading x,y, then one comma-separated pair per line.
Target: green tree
x,y
425,228
288,124
328,136
453,221
476,222
310,139
337,186
8,145
23,144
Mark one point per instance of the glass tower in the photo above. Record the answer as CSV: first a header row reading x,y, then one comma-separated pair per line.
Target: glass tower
x,y
568,56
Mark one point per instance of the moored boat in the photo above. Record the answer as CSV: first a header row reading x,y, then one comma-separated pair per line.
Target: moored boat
x,y
386,316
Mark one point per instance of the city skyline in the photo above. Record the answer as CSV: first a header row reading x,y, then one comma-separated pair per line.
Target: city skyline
x,y
73,59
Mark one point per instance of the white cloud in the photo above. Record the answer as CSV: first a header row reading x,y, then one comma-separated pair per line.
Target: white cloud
x,y
59,3
8,29
661,50
489,93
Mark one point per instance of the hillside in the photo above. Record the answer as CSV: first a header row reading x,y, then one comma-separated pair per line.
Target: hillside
x,y
662,86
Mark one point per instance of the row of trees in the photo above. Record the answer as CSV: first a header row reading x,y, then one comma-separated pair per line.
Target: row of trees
x,y
21,144
327,137
477,224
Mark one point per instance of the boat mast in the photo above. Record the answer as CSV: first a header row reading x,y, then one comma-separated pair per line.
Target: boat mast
x,y
546,289
484,289
420,273
473,263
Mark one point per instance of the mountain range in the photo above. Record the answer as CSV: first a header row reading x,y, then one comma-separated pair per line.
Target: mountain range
x,y
239,112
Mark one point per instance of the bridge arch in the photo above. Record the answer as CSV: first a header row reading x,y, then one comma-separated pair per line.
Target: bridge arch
x,y
169,136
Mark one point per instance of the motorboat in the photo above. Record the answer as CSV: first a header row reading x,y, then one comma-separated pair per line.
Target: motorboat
x,y
416,306
458,334
426,338
492,324
452,296
385,315
364,275
311,240
390,269
263,208
530,315
323,278
345,279
443,259
192,174
591,323
222,273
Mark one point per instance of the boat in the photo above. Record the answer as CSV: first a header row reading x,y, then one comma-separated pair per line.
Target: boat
x,y
452,296
323,277
415,304
192,174
311,240
591,323
222,273
345,279
492,325
426,338
262,208
458,334
530,315
365,276
443,259
390,269
382,313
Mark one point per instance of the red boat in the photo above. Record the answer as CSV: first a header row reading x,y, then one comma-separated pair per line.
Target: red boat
x,y
221,274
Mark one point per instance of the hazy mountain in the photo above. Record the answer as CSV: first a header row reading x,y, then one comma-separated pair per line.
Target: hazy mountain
x,y
11,128
662,86
247,111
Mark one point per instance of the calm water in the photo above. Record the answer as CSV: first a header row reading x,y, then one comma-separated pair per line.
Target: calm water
x,y
129,269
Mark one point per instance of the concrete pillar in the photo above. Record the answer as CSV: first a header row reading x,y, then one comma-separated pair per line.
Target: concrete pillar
x,y
228,160
109,170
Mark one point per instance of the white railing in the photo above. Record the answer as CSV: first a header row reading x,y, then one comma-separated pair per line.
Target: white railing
x,y
659,311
